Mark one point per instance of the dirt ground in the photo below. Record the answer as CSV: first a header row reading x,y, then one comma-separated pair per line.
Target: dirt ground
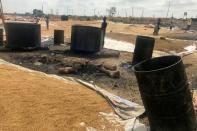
x,y
117,28
37,102
128,33
49,61
52,60
160,45
124,86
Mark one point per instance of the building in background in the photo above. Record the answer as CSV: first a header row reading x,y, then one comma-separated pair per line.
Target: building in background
x,y
194,24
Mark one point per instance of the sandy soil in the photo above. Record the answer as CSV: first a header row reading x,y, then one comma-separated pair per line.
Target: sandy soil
x,y
128,33
160,45
125,86
181,35
112,27
30,101
51,64
118,31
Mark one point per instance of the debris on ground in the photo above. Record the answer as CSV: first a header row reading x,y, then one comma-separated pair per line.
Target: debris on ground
x,y
163,38
189,50
67,70
111,73
124,108
110,67
129,125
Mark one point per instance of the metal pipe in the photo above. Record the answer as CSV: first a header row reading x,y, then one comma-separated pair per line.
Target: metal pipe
x,y
165,93
143,49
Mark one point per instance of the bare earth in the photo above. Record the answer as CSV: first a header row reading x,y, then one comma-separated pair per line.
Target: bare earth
x,y
125,86
30,101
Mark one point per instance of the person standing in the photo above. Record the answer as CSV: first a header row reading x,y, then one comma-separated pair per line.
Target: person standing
x,y
37,20
171,23
47,21
157,27
104,27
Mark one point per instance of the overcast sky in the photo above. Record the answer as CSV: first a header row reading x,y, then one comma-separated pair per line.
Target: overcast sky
x,y
157,8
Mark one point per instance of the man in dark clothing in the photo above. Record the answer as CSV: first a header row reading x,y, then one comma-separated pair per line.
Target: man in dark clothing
x,y
37,20
171,23
104,26
47,21
157,27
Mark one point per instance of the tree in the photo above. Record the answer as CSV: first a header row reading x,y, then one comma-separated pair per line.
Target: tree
x,y
38,13
185,15
112,11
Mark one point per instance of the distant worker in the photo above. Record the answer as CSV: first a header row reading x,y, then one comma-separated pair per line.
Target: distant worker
x,y
47,21
171,26
157,27
37,20
189,23
171,23
104,27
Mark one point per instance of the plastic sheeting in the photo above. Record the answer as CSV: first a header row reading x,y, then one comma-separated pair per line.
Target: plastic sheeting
x,y
124,108
127,110
127,47
189,50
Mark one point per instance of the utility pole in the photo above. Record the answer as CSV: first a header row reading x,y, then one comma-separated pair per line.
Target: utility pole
x,y
168,9
51,11
57,12
132,12
72,10
94,12
42,6
126,13
118,13
84,12
98,13
142,13
42,9
106,13
2,14
67,10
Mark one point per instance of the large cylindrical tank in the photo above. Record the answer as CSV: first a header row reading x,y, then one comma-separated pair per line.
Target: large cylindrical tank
x,y
165,93
1,37
143,49
86,39
23,35
58,37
